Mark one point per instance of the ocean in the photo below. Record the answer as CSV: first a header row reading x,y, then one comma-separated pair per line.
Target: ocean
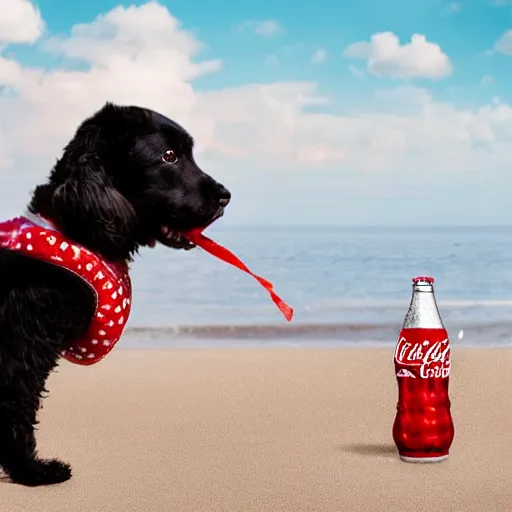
x,y
348,286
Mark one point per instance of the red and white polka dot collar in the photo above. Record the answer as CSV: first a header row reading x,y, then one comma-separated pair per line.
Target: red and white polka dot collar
x,y
36,237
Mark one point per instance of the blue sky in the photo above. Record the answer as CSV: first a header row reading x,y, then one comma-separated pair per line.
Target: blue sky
x,y
379,130
464,32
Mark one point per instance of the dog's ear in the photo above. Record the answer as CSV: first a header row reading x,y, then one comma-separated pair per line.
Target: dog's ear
x,y
88,205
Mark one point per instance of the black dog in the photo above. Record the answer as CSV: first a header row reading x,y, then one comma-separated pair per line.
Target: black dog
x,y
127,179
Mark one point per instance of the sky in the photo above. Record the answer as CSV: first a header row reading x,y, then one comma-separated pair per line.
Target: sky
x,y
324,113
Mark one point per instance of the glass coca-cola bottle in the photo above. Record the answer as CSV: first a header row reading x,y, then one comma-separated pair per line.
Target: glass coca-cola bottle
x,y
423,428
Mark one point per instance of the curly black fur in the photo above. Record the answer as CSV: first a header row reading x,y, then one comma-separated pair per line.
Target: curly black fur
x,y
112,191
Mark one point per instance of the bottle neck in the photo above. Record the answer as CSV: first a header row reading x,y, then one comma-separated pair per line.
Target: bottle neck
x,y
423,312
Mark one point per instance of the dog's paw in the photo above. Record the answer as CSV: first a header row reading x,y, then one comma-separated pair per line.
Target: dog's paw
x,y
41,472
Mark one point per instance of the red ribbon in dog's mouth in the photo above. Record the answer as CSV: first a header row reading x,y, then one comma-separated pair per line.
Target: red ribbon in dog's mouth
x,y
196,237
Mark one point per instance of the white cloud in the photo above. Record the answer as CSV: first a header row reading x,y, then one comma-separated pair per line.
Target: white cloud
x,y
263,28
20,22
143,47
142,55
319,57
386,57
504,43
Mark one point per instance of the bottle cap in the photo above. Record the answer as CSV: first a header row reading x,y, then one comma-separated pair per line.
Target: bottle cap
x,y
424,279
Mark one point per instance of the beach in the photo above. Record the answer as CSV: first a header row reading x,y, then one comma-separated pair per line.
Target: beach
x,y
265,429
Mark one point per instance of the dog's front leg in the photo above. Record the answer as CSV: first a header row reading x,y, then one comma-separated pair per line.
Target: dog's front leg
x,y
42,310
18,454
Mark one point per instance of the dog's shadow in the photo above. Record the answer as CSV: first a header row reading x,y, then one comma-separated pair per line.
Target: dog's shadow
x,y
371,449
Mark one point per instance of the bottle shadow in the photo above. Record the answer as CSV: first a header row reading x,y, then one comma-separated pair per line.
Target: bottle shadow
x,y
371,449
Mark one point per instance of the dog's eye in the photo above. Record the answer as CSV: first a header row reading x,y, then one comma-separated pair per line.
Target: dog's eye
x,y
170,157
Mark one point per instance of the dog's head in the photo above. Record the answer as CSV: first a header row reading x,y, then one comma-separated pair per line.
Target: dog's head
x,y
127,179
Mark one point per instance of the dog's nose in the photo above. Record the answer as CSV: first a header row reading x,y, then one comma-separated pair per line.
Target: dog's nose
x,y
224,197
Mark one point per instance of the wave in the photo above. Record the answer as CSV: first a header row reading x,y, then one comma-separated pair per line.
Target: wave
x,y
268,331
403,304
310,331
501,303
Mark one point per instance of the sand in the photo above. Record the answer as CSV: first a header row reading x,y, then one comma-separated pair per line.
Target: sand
x,y
265,430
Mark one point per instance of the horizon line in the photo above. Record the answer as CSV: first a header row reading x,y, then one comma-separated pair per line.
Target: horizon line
x,y
370,226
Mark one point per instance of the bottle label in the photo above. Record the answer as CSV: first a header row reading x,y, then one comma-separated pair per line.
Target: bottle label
x,y
423,353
